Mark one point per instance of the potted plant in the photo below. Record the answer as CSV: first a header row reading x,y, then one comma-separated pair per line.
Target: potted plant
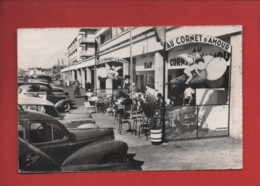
x,y
152,111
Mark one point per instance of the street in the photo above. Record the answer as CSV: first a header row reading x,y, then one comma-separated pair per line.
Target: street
x,y
193,154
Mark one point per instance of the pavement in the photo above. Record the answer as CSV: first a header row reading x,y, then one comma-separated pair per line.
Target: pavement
x,y
189,154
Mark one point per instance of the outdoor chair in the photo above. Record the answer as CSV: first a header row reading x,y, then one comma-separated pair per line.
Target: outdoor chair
x,y
89,108
124,118
117,111
145,127
186,119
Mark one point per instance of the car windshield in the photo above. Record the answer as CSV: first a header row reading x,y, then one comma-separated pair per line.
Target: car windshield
x,y
49,110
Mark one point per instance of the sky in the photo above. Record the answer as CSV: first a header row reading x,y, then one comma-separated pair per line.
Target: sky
x,y
43,47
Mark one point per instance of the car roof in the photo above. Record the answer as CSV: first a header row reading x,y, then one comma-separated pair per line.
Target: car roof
x,y
34,115
34,82
23,100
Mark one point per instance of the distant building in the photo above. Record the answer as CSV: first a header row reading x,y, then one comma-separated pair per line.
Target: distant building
x,y
39,71
150,68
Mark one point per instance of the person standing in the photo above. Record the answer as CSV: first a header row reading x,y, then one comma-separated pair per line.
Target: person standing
x,y
188,96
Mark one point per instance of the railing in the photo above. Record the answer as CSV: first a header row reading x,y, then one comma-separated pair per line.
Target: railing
x,y
74,47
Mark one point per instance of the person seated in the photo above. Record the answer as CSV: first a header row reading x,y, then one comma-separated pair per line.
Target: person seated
x,y
127,101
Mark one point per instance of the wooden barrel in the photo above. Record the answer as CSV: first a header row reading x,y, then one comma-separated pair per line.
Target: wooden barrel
x,y
156,136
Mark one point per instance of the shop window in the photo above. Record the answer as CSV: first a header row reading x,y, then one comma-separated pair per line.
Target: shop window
x,y
213,121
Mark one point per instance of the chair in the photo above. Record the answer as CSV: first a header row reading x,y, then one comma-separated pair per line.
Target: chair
x,y
117,111
89,108
187,119
145,127
122,117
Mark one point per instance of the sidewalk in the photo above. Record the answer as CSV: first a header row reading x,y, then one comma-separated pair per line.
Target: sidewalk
x,y
196,154
193,154
107,120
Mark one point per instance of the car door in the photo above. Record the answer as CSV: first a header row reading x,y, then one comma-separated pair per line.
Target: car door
x,y
51,138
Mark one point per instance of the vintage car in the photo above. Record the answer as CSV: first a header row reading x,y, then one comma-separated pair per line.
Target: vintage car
x,y
69,120
32,160
58,142
62,102
56,90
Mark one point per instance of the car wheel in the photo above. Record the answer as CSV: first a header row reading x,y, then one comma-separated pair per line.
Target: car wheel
x,y
65,107
112,159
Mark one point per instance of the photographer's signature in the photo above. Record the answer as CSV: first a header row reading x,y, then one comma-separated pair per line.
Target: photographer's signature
x,y
31,159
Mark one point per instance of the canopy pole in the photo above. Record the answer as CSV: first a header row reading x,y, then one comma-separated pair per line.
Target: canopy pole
x,y
131,66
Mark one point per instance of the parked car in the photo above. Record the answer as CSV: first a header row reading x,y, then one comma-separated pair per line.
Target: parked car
x,y
56,90
32,160
68,120
62,102
69,147
46,78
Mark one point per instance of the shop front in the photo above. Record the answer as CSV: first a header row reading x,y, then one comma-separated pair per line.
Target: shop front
x,y
145,72
198,86
112,73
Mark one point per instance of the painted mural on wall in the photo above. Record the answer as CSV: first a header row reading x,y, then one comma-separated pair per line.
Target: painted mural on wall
x,y
109,72
203,58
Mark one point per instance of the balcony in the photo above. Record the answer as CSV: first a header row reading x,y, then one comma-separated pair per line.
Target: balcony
x,y
73,60
86,53
74,47
86,40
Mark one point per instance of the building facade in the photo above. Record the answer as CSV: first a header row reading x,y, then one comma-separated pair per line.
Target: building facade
x,y
121,44
39,71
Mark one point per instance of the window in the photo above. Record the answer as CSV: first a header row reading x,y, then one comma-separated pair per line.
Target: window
x,y
58,133
21,130
40,132
45,132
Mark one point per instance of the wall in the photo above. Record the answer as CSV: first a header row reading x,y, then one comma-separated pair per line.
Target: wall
x,y
236,116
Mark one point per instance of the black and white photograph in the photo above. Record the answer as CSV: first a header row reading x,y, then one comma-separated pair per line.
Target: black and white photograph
x,y
129,98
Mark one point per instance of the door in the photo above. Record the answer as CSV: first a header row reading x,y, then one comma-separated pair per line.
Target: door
x,y
51,138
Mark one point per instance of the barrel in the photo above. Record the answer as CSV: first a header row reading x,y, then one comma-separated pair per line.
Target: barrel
x,y
156,136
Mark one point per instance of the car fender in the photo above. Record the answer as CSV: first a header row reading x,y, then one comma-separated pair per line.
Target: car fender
x,y
95,152
59,104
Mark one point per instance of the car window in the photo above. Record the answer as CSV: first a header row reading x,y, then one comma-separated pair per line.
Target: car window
x,y
50,110
21,130
45,132
40,132
34,88
38,108
58,133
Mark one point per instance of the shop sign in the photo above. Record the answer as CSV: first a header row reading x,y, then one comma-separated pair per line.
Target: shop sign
x,y
111,59
176,62
148,65
145,63
198,38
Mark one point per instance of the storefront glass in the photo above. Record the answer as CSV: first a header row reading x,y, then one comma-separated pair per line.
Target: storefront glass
x,y
198,107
